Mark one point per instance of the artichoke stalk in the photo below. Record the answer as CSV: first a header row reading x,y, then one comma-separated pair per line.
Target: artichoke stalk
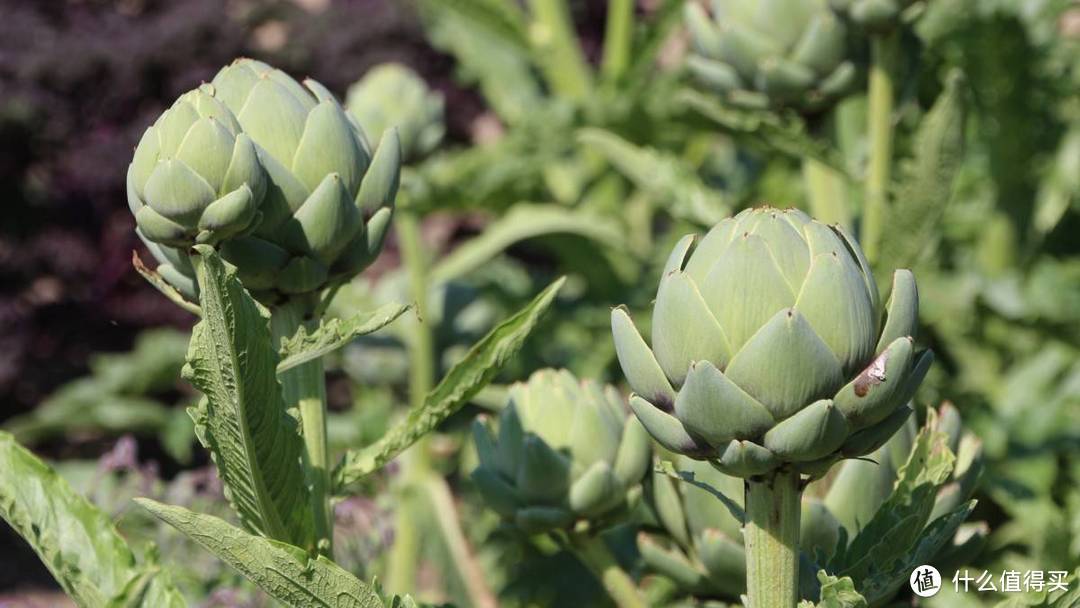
x,y
770,359
567,458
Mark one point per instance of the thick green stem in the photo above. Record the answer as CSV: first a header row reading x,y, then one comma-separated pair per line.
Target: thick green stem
x,y
405,554
880,132
556,45
595,554
421,339
304,387
771,533
826,193
618,36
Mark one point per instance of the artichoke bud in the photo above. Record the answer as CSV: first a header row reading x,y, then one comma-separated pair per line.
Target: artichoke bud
x,y
759,55
272,172
391,95
194,177
765,348
565,451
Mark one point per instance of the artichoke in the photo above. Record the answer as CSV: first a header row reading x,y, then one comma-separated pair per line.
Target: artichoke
x,y
566,451
392,95
701,549
324,201
195,176
768,349
790,53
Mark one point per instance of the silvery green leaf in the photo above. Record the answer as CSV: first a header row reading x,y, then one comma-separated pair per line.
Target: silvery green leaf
x,y
459,385
286,572
334,334
254,442
75,540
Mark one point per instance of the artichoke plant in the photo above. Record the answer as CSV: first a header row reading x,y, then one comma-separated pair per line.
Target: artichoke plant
x,y
274,173
392,95
566,452
771,54
701,548
768,348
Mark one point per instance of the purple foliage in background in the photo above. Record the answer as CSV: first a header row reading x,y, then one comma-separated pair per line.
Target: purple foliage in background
x,y
79,82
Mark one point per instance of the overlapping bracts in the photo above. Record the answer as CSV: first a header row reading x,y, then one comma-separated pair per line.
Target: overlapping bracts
x,y
769,349
565,451
274,173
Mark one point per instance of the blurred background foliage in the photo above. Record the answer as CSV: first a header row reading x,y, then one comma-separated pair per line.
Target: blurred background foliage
x,y
565,151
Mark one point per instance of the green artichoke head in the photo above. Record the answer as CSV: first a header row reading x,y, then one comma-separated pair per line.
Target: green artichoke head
x,y
778,53
329,198
195,176
768,348
392,95
566,451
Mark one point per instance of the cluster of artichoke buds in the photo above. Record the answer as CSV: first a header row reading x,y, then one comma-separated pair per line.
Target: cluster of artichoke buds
x,y
566,452
701,548
769,350
392,95
272,172
760,55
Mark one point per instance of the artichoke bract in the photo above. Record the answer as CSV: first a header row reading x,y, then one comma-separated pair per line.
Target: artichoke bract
x,y
791,53
329,199
195,176
566,451
768,348
392,95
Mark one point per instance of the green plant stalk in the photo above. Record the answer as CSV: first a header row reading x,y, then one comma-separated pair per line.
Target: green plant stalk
x,y
304,387
445,513
618,38
771,534
556,46
880,131
405,554
597,557
826,193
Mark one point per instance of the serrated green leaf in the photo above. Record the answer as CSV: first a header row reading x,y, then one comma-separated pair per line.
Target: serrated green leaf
x,y
254,442
285,572
878,557
666,178
334,334
892,569
785,133
459,385
924,185
837,592
75,540
525,221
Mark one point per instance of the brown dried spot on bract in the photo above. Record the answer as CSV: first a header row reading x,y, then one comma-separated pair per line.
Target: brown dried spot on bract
x,y
873,375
